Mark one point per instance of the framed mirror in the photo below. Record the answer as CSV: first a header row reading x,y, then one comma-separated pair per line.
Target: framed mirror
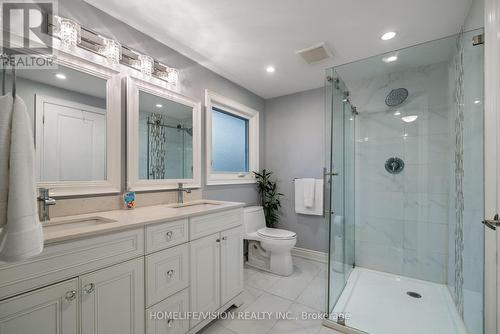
x,y
163,138
75,109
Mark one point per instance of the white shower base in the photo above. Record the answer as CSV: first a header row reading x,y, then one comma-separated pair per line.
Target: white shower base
x,y
377,303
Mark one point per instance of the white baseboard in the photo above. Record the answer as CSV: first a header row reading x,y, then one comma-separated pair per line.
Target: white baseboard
x,y
310,254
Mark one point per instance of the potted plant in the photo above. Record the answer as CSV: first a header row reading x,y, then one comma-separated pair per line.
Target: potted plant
x,y
269,197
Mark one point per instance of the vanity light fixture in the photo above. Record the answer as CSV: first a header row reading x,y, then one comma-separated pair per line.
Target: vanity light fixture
x,y
169,74
145,64
71,33
270,69
112,50
172,76
409,119
390,59
68,31
388,35
60,76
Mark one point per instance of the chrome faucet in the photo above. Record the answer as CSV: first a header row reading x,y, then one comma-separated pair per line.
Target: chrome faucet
x,y
180,193
44,202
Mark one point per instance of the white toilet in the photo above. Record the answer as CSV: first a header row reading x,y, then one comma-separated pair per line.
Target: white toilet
x,y
269,248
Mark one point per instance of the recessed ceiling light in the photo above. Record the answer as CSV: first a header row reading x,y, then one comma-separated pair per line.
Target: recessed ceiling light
x,y
390,59
409,119
388,35
159,105
477,101
270,69
397,113
60,76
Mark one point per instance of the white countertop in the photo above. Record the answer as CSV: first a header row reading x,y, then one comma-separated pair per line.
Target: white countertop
x,y
130,218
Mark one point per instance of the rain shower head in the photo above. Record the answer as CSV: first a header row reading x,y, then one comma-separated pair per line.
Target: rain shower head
x,y
396,97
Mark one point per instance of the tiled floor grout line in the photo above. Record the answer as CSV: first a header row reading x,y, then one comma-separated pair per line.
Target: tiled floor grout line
x,y
254,271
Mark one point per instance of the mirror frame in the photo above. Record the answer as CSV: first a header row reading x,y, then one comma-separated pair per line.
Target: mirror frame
x,y
134,85
89,63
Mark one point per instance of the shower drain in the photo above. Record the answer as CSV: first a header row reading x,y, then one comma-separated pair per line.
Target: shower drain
x,y
414,294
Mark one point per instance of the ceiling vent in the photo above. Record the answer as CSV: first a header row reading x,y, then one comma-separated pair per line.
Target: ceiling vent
x,y
315,54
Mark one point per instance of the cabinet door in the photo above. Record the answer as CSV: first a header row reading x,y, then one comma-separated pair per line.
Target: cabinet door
x,y
231,264
112,300
49,310
205,275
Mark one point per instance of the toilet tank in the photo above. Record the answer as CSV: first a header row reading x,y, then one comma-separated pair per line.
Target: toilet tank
x,y
253,218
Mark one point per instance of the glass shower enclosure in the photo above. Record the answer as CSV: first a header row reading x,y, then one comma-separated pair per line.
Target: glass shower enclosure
x,y
405,189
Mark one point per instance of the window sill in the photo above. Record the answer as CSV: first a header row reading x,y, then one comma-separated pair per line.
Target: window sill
x,y
219,182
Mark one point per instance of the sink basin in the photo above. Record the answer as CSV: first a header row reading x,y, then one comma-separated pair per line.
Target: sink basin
x,y
70,224
195,204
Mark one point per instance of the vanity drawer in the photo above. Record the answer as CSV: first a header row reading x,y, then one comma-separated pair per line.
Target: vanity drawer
x,y
164,235
166,273
215,222
69,259
178,303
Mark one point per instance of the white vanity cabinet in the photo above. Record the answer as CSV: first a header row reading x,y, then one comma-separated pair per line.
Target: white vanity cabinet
x,y
216,270
53,309
114,283
205,275
231,270
112,299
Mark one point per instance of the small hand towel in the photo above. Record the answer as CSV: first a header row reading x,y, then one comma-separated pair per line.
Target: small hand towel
x,y
317,208
308,186
21,234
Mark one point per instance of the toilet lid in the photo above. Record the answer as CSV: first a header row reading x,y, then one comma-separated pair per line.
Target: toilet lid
x,y
276,233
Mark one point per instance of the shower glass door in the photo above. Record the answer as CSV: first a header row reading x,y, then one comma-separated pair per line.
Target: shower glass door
x,y
405,189
340,186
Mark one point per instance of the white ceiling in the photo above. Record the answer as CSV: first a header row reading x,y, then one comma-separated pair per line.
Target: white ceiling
x,y
239,39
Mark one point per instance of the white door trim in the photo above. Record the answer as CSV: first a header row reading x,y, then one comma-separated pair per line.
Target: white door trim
x,y
492,159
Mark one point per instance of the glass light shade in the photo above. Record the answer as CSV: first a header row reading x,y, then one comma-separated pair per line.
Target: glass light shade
x,y
145,64
172,76
112,50
68,31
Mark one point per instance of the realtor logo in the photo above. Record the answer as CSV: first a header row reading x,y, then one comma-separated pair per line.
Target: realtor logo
x,y
25,27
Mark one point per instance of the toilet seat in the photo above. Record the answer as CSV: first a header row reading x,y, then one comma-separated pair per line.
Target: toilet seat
x,y
276,233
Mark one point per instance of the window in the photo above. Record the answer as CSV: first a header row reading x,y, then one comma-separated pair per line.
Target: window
x,y
232,141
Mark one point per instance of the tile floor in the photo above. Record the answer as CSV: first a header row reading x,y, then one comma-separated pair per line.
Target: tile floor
x,y
303,291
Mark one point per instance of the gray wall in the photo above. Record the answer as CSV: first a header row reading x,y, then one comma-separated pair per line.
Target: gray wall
x,y
194,78
295,147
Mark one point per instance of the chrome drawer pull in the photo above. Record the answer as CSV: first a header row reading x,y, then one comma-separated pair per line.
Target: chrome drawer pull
x,y
170,273
70,295
89,288
168,235
169,322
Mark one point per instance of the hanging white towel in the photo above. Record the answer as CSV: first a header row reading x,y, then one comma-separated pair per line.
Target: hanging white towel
x,y
21,234
308,186
300,207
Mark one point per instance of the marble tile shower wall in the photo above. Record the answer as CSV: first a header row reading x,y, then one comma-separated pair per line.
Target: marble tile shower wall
x,y
402,219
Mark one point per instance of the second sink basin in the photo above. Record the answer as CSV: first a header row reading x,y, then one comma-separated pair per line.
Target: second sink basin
x,y
197,204
70,224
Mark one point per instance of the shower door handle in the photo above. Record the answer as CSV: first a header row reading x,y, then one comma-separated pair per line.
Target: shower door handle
x,y
325,181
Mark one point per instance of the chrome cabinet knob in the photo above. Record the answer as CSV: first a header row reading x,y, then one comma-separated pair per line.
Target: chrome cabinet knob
x,y
168,235
89,288
170,273
170,322
217,240
70,295
224,238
